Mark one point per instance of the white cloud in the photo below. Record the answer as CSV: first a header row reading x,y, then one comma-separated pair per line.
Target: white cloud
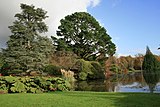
x,y
93,3
56,9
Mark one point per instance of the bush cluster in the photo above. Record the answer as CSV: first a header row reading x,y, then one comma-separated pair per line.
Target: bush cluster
x,y
52,70
88,70
10,84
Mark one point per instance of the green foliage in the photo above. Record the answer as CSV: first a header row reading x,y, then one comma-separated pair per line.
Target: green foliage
x,y
10,79
26,49
97,71
18,87
84,69
85,66
83,75
5,69
131,69
82,34
33,90
151,69
83,86
52,70
3,87
114,68
89,70
1,60
11,84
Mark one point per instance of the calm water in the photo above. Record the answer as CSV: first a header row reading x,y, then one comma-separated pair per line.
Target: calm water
x,y
123,83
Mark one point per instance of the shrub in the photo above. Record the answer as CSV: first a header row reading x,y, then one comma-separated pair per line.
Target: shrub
x,y
88,70
83,75
52,70
69,77
97,71
83,68
11,84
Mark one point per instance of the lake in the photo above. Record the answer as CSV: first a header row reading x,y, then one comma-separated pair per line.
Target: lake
x,y
133,82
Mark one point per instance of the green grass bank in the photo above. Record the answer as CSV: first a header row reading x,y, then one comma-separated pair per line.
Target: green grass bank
x,y
80,99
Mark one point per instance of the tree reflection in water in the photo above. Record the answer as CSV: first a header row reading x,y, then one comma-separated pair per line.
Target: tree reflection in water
x,y
116,83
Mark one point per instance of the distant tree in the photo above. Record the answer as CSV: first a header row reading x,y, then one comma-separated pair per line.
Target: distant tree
x,y
130,61
82,34
112,66
27,49
138,60
123,62
157,57
151,70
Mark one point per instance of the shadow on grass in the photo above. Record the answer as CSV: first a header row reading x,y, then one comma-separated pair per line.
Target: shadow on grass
x,y
137,100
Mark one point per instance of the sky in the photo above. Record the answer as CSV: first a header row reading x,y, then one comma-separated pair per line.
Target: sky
x,y
132,24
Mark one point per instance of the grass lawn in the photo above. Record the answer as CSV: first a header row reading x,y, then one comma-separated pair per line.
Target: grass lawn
x,y
80,99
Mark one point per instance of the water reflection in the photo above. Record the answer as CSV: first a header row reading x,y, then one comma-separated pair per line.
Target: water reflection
x,y
133,82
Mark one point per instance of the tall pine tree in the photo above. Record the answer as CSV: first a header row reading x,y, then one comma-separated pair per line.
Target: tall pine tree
x,y
151,70
27,49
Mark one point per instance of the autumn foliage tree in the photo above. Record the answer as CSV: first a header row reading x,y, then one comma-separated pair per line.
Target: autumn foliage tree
x,y
138,60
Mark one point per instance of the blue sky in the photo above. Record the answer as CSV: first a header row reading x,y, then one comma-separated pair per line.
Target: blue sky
x,y
132,24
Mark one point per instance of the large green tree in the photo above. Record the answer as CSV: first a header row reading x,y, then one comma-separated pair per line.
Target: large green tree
x,y
151,70
27,48
82,34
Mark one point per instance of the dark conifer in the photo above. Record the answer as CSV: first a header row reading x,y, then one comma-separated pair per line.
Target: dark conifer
x,y
151,70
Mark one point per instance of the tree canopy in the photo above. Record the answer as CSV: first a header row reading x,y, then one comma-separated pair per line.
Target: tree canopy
x,y
27,49
82,34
